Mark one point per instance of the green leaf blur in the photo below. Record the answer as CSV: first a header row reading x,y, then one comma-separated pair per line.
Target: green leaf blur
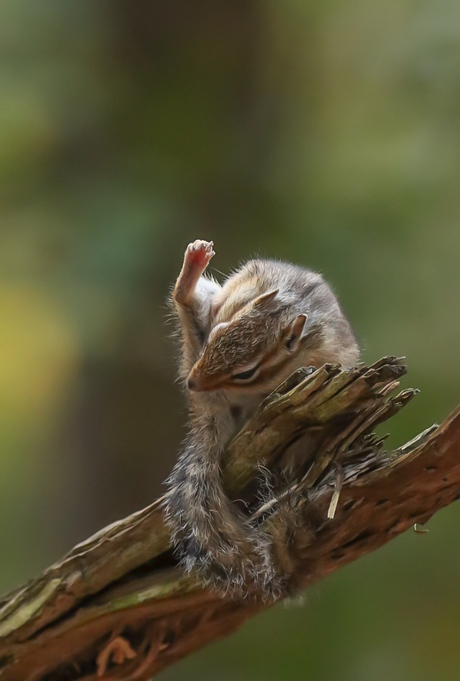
x,y
323,133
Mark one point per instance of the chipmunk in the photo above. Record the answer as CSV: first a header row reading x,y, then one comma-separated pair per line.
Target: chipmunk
x,y
239,342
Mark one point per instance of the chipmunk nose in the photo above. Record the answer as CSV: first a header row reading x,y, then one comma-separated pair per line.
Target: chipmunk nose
x,y
192,384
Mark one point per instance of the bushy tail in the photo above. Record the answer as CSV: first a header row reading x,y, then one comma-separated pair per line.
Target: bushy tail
x,y
212,537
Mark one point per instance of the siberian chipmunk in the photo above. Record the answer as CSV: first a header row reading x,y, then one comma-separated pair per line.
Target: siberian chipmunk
x,y
239,342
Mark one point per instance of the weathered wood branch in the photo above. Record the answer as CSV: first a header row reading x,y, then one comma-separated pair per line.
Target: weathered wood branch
x,y
118,607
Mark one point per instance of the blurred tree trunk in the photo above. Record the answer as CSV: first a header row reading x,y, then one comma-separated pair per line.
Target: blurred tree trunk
x,y
193,58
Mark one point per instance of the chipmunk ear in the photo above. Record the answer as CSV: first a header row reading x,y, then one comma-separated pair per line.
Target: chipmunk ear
x,y
265,298
293,333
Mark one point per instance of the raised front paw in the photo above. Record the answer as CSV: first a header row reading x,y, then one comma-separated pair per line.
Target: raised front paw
x,y
196,259
199,253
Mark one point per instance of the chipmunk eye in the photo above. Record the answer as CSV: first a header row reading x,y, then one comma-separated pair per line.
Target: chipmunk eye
x,y
245,375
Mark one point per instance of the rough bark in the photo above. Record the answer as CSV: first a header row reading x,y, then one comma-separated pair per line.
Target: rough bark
x,y
118,607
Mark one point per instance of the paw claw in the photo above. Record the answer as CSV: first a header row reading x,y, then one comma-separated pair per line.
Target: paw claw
x,y
200,252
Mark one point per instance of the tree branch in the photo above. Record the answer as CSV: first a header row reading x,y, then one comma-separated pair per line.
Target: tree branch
x,y
118,607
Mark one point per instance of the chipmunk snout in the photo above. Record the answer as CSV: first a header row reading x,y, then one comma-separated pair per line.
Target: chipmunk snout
x,y
192,384
197,383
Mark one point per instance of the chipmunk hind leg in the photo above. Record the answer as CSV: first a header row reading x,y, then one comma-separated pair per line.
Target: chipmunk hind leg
x,y
289,537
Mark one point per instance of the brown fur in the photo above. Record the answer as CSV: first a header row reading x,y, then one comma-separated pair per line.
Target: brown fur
x,y
269,318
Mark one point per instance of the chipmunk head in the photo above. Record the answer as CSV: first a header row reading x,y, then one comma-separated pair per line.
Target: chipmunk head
x,y
253,351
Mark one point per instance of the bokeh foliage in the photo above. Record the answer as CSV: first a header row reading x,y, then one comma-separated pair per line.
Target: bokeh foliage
x,y
323,133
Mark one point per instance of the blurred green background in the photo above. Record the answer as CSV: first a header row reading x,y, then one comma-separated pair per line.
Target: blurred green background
x,y
326,133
